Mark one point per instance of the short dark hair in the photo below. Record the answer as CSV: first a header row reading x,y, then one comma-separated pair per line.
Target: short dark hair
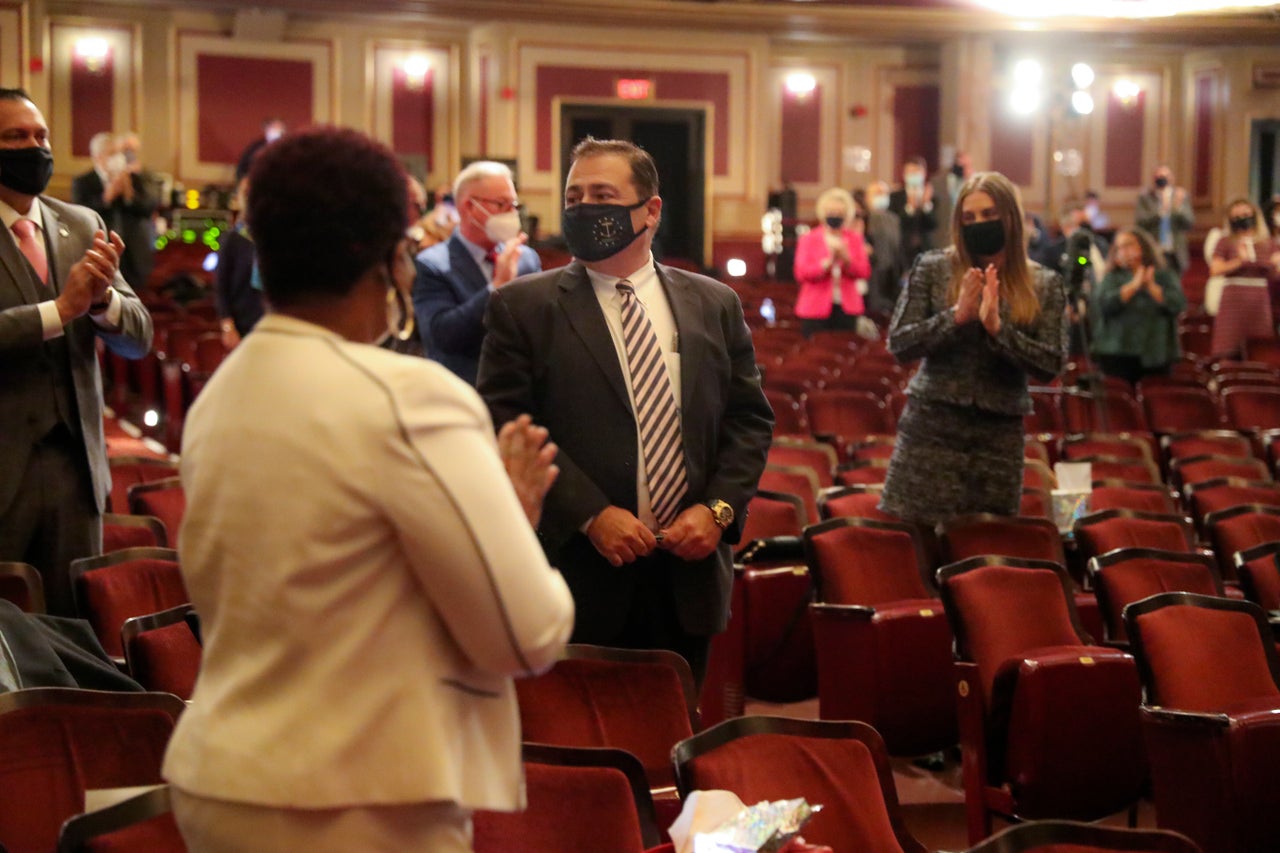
x,y
644,172
14,95
917,161
325,206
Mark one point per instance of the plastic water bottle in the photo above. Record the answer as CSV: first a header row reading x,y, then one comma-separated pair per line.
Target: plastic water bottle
x,y
767,311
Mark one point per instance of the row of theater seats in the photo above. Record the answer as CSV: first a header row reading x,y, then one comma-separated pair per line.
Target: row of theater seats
x,y
612,747
186,349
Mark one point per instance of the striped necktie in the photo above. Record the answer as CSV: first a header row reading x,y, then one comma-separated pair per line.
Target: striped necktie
x,y
657,415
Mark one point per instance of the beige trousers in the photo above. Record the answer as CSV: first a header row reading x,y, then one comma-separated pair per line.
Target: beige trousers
x,y
222,826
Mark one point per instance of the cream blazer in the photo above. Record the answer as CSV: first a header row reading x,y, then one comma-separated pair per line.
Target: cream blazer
x,y
366,579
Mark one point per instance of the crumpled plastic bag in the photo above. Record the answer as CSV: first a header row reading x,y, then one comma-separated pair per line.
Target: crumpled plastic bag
x,y
719,822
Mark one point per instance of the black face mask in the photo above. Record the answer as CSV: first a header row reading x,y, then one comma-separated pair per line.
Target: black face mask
x,y
595,232
983,239
1242,223
1161,183
957,170
835,223
26,170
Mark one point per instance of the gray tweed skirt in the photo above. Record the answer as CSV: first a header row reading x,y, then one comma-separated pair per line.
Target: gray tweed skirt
x,y
952,460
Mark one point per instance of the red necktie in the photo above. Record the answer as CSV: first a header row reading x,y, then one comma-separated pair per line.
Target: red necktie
x,y
32,247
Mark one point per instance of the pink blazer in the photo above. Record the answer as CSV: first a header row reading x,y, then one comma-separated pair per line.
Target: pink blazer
x,y
814,300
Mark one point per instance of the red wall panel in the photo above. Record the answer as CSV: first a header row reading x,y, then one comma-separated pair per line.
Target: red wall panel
x,y
236,94
92,100
1124,140
801,136
916,111
1012,149
412,115
567,81
1205,104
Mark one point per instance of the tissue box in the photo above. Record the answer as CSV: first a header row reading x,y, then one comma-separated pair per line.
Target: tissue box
x,y
1068,505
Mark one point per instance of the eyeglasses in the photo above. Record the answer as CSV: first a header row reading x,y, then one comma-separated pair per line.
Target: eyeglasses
x,y
498,205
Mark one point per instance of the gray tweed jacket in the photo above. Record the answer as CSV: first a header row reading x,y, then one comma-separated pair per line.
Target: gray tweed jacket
x,y
964,365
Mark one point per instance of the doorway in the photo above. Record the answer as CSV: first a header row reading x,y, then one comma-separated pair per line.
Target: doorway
x,y
1264,161
675,138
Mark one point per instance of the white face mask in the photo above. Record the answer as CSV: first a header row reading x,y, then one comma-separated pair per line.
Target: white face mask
x,y
501,227
880,202
914,180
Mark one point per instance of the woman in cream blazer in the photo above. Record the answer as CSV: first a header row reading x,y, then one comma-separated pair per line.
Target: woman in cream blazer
x,y
367,579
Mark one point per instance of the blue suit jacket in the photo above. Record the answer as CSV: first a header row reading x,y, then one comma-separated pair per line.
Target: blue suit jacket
x,y
450,295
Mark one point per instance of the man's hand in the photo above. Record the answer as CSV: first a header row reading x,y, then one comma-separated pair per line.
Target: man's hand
x,y
970,293
528,458
230,337
508,261
989,311
693,535
89,277
619,536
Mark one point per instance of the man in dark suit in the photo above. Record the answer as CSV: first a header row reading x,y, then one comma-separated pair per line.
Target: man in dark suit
x,y
455,277
913,205
60,287
126,196
649,566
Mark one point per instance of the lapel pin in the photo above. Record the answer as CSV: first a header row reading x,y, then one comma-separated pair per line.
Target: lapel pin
x,y
63,232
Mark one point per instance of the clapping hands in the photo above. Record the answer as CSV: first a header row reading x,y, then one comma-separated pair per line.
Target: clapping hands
x,y
980,299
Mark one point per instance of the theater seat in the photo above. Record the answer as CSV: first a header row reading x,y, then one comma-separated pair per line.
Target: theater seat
x,y
1211,718
161,652
1065,836
111,588
141,823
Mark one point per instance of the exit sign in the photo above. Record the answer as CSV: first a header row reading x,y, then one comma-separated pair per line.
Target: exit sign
x,y
637,89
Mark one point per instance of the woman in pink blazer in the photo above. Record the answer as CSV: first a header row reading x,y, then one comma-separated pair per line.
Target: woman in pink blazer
x,y
832,266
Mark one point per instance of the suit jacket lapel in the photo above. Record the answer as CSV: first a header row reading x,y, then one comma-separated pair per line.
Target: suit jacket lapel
x,y
686,311
580,305
62,254
464,263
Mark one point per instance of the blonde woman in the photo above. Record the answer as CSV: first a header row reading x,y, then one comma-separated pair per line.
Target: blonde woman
x,y
986,321
1245,269
831,261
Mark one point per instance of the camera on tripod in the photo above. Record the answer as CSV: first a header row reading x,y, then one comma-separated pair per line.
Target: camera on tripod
x,y
1077,261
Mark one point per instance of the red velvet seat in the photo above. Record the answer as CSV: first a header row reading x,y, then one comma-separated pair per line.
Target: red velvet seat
x,y
129,471
1190,470
21,584
121,531
1120,411
848,416
1038,475
1126,575
57,742
1225,492
772,514
161,652
162,499
1100,532
639,701
1259,571
1143,497
1127,468
580,801
111,588
793,480
788,414
814,455
1036,503
882,640
1181,409
141,823
863,472
1048,721
1251,407
1117,445
1239,528
1211,718
984,533
1065,836
1204,443
842,765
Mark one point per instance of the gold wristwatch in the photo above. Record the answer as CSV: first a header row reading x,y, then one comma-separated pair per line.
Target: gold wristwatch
x,y
721,512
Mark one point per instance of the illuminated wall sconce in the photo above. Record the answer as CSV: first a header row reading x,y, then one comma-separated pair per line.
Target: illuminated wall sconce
x,y
94,53
416,68
1126,91
800,84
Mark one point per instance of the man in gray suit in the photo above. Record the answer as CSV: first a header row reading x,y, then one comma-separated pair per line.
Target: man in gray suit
x,y
454,278
1164,211
60,288
639,528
